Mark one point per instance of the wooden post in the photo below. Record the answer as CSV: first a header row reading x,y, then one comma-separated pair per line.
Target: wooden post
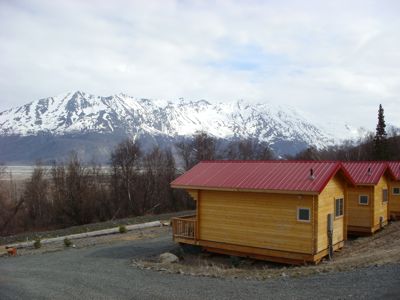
x,y
197,225
372,209
315,225
330,234
389,187
345,211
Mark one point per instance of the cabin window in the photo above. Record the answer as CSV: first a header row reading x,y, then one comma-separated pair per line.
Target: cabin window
x,y
339,207
396,191
363,200
303,214
384,196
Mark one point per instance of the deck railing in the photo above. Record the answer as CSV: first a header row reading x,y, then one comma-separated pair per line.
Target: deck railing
x,y
184,227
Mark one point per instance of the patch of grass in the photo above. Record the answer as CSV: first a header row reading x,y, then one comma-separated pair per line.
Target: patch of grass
x,y
122,229
67,242
37,243
235,261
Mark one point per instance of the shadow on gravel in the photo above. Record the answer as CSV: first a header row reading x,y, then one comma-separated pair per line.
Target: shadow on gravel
x,y
133,251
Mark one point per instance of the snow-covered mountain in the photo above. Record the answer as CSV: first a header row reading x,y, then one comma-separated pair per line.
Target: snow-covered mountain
x,y
80,114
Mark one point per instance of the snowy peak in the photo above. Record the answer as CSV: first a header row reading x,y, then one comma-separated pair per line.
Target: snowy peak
x,y
80,112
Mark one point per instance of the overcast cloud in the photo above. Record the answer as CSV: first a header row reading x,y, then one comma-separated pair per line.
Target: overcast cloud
x,y
333,60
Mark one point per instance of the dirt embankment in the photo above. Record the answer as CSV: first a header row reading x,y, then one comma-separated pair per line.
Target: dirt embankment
x,y
139,234
30,236
381,248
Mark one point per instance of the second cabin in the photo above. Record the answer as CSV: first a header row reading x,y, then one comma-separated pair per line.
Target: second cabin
x,y
394,191
367,201
285,211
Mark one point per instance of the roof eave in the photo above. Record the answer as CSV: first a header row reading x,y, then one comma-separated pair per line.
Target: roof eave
x,y
225,189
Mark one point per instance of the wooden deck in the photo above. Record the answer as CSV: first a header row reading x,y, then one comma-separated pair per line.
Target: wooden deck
x,y
184,227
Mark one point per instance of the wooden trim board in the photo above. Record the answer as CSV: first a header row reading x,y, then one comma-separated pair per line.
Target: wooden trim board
x,y
261,253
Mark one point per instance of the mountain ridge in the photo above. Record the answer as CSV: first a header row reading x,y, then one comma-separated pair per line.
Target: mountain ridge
x,y
80,113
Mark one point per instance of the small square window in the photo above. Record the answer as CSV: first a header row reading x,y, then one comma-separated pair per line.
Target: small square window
x,y
339,207
303,214
396,191
363,200
384,196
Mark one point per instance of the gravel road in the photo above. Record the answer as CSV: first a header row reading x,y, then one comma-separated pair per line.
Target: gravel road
x,y
105,272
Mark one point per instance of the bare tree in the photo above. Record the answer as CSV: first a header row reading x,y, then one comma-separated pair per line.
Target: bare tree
x,y
203,147
71,191
98,194
185,151
311,153
125,165
10,206
158,172
36,199
248,149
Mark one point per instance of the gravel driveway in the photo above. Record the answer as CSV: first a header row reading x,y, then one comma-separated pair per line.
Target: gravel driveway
x,y
105,272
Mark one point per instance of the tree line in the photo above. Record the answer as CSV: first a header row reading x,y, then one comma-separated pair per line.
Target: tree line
x,y
137,182
381,146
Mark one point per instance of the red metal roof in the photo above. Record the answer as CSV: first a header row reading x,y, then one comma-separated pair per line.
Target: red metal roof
x,y
394,167
260,175
365,172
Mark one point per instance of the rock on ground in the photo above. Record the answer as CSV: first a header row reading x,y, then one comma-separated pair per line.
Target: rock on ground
x,y
168,258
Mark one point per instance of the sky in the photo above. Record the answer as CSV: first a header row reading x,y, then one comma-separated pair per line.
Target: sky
x,y
334,61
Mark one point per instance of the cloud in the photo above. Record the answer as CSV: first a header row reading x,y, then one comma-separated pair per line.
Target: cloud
x,y
329,59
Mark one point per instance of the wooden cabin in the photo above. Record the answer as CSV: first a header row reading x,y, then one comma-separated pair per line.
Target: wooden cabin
x,y
270,210
367,201
394,191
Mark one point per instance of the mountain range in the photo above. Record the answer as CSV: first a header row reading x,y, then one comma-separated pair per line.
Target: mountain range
x,y
49,128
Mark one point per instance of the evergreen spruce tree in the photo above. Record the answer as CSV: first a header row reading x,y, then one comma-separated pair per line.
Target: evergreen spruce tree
x,y
380,139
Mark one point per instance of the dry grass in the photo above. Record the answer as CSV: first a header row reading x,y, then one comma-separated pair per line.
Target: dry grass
x,y
382,248
88,227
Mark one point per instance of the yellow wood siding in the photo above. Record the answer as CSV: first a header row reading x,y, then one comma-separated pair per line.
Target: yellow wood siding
x,y
359,215
380,208
394,200
256,220
326,205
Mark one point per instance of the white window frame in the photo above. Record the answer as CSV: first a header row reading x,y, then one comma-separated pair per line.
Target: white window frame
x,y
359,200
396,194
309,214
342,204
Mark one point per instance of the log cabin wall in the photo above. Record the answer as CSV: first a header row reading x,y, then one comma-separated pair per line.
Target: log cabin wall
x,y
359,215
394,199
326,205
256,220
380,207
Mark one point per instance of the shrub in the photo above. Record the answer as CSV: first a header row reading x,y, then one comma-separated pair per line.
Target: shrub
x,y
37,244
122,229
67,242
